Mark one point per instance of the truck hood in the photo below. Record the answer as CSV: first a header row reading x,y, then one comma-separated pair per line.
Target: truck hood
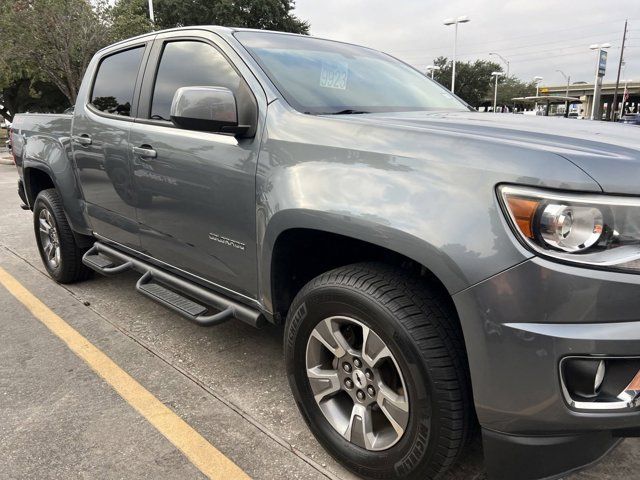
x,y
608,152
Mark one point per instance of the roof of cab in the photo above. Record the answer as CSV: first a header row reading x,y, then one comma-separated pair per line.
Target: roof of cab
x,y
210,28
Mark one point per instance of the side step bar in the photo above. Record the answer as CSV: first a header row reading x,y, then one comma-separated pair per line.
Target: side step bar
x,y
166,289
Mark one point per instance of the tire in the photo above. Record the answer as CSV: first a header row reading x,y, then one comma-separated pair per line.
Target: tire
x,y
66,266
426,345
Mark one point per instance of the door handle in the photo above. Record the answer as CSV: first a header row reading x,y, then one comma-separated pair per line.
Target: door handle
x,y
83,139
145,151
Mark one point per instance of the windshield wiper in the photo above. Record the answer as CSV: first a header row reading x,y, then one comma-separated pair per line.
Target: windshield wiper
x,y
348,111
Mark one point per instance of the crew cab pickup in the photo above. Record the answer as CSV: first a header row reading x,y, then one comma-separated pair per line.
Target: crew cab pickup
x,y
436,268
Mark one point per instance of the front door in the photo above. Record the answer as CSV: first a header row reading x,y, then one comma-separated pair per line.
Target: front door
x,y
200,217
100,146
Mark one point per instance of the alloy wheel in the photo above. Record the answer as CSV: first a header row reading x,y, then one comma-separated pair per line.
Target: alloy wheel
x,y
49,238
357,383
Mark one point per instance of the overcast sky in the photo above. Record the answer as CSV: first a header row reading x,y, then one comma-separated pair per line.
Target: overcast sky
x,y
536,36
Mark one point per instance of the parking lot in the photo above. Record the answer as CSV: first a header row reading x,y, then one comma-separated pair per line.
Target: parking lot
x,y
63,413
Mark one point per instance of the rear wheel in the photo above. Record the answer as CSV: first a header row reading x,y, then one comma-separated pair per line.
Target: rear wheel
x,y
378,369
58,249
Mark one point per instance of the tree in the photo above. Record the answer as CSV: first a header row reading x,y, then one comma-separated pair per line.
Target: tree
x,y
472,79
261,14
510,88
54,38
23,89
23,94
127,19
51,42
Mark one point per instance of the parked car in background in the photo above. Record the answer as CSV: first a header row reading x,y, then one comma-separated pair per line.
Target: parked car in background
x,y
435,269
633,118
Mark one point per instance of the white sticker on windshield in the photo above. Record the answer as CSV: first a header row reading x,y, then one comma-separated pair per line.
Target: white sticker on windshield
x,y
334,75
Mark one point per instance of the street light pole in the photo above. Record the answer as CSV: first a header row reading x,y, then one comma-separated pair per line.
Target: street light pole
x,y
566,105
432,69
495,92
624,98
455,21
596,83
151,16
537,80
453,67
506,62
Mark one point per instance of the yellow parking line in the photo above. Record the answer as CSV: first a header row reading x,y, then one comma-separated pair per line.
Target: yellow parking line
x,y
209,460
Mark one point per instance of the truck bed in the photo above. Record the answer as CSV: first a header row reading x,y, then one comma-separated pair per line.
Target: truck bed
x,y
38,131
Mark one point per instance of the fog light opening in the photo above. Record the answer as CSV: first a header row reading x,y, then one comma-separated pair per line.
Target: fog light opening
x,y
601,383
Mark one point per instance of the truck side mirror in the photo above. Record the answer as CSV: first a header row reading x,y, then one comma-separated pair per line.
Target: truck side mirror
x,y
208,109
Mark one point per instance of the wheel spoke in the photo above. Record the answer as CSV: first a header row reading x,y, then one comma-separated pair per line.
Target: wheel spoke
x,y
323,382
48,250
44,226
395,407
360,429
373,348
329,335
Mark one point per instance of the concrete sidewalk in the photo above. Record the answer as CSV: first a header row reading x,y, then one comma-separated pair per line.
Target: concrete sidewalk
x,y
5,154
59,419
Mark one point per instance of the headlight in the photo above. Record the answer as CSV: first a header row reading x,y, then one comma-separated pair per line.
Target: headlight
x,y
598,230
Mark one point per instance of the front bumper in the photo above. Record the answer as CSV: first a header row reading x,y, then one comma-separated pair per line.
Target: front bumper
x,y
518,326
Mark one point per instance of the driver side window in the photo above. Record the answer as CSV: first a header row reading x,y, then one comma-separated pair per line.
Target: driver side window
x,y
190,64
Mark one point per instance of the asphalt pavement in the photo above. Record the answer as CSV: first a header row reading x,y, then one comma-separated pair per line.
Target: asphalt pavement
x,y
61,416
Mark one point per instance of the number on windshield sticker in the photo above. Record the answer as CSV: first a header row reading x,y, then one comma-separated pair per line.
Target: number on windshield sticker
x,y
334,75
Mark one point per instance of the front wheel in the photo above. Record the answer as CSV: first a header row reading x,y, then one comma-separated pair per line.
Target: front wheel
x,y
377,366
58,249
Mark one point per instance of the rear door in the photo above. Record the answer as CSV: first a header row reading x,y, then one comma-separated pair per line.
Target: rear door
x,y
202,216
100,134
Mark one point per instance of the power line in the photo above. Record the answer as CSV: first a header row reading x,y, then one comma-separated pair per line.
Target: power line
x,y
535,46
510,39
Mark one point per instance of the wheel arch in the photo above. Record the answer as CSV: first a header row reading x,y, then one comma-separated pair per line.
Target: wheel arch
x,y
39,176
36,179
294,253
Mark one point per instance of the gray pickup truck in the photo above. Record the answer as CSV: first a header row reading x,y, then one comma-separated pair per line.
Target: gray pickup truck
x,y
436,269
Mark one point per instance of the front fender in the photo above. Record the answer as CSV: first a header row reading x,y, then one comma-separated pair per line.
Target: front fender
x,y
422,193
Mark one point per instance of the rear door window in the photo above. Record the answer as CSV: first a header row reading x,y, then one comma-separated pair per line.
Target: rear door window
x,y
115,82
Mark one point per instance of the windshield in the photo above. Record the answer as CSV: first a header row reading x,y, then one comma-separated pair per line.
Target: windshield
x,y
325,77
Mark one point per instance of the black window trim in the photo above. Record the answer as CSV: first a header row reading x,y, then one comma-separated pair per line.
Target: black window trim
x,y
136,91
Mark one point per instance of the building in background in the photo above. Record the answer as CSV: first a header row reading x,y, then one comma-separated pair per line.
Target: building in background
x,y
584,91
